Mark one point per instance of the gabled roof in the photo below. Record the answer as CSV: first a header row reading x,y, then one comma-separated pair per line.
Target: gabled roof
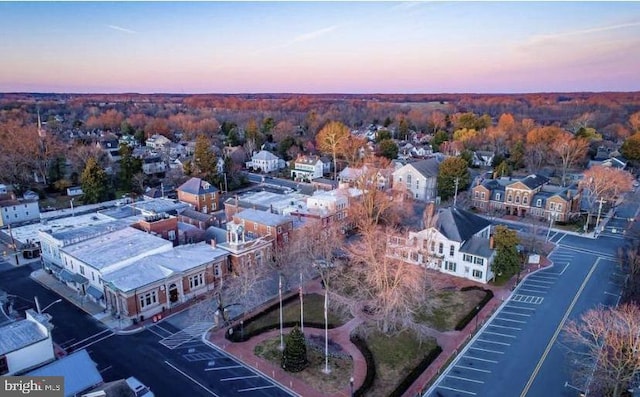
x,y
459,225
304,159
428,168
197,186
264,155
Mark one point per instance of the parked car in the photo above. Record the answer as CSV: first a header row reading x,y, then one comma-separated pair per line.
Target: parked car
x,y
139,388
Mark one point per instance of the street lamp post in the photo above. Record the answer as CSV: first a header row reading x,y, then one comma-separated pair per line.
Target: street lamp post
x,y
280,296
477,314
601,201
49,305
351,384
71,202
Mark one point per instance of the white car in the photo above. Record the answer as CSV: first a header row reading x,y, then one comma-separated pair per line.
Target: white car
x,y
139,388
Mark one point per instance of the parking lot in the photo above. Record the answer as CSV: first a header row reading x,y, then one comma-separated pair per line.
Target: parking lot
x,y
509,349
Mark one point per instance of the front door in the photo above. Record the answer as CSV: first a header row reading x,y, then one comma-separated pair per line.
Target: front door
x,y
173,293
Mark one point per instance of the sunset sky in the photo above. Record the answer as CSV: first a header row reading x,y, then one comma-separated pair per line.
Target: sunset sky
x,y
319,47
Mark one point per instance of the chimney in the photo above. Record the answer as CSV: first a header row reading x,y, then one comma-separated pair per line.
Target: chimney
x,y
213,243
270,208
491,242
569,194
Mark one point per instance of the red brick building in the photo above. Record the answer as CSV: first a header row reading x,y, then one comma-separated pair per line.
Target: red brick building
x,y
202,195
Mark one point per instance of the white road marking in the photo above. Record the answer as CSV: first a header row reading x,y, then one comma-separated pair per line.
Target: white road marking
x,y
494,342
543,281
191,379
513,321
256,388
505,327
480,359
535,291
512,306
221,368
516,314
464,379
155,333
239,378
499,334
473,369
89,338
457,390
485,350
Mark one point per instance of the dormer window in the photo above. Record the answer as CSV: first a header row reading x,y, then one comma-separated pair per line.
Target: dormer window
x,y
539,203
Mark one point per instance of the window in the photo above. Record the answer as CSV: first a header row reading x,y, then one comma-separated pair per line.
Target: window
x,y
476,194
148,299
279,230
466,269
216,270
433,246
417,184
517,199
268,229
409,179
477,273
82,270
196,280
559,207
255,226
450,266
478,261
452,250
497,196
467,258
172,235
258,257
440,248
539,203
552,206
525,200
414,256
93,276
509,198
482,195
285,237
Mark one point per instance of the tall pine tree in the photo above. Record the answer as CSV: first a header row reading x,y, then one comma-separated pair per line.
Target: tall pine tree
x,y
294,356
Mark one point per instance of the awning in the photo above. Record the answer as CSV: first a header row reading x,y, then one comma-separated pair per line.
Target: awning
x,y
79,278
53,267
95,292
66,276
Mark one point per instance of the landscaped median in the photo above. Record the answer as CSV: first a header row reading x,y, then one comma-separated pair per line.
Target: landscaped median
x,y
393,362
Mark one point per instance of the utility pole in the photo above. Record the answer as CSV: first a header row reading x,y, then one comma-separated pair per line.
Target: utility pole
x,y
601,201
455,194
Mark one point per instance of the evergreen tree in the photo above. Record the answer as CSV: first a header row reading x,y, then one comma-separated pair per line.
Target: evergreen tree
x,y
204,160
129,166
450,169
507,259
94,182
294,356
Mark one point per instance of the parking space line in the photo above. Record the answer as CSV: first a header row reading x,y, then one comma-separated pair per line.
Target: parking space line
x,y
505,327
455,390
480,359
496,333
486,350
464,379
255,388
239,378
190,378
516,314
221,368
543,277
511,306
535,280
494,342
513,321
155,333
531,290
473,369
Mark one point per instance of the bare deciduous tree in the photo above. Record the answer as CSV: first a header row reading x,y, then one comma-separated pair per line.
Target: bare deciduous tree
x,y
606,342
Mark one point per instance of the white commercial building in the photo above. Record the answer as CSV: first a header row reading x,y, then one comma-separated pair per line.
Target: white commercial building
x,y
25,344
14,211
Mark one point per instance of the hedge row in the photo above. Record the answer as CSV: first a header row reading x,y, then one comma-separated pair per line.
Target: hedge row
x,y
416,372
371,365
474,311
235,333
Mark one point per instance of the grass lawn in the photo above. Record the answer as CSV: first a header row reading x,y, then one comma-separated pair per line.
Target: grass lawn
x,y
313,312
395,357
449,307
337,379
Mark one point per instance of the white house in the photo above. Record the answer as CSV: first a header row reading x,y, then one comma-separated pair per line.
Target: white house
x,y
419,178
157,141
14,211
264,161
307,167
25,344
456,242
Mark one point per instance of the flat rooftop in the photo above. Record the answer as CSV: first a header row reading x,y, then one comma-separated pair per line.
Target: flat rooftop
x,y
157,267
113,248
266,200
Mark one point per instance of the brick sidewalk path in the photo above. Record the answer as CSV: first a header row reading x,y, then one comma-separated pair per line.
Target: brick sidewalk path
x,y
450,341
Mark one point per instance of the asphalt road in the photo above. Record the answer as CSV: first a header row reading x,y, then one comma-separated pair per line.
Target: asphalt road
x,y
520,350
182,365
